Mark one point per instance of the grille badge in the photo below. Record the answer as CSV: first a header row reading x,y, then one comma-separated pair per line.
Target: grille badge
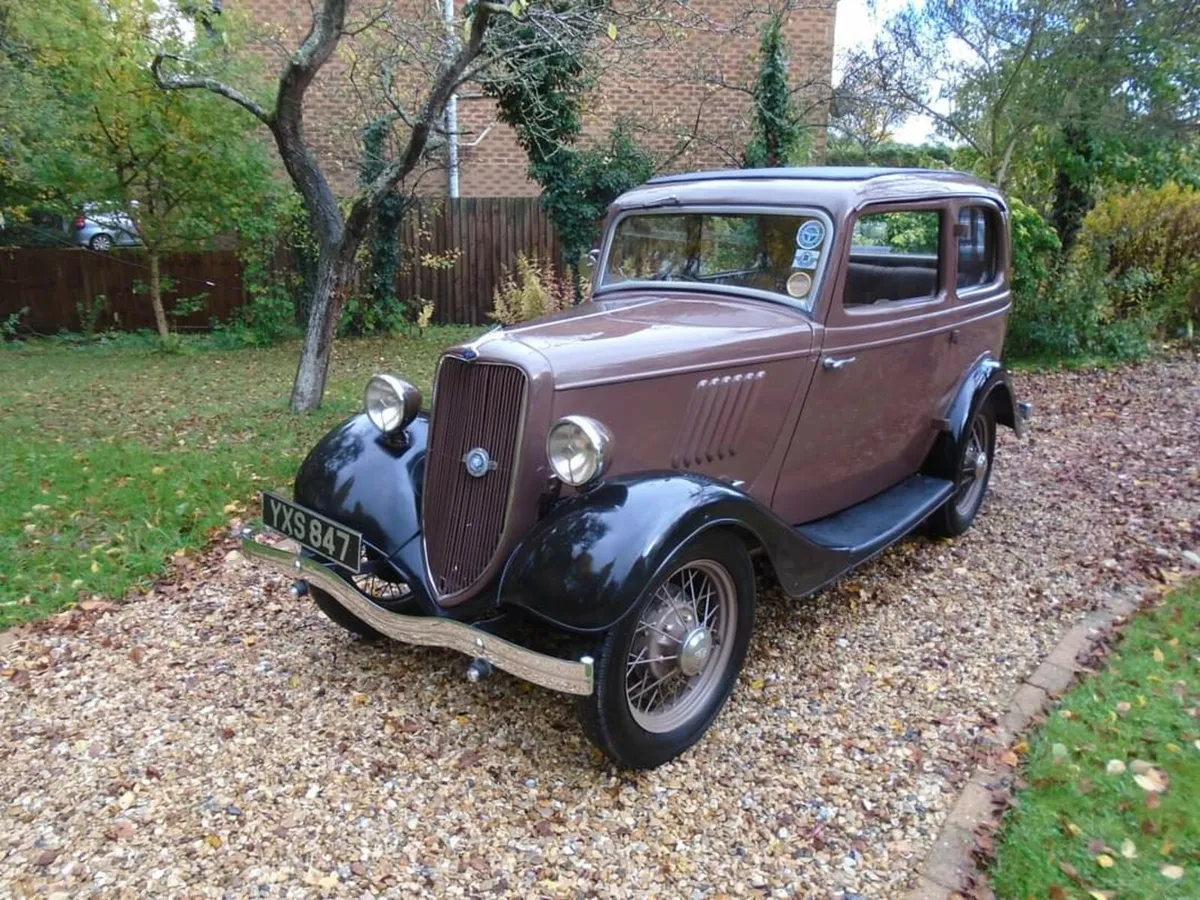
x,y
478,462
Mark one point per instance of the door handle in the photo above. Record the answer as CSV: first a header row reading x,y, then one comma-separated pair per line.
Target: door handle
x,y
832,362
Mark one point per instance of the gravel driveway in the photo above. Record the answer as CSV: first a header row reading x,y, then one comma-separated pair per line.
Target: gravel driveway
x,y
217,738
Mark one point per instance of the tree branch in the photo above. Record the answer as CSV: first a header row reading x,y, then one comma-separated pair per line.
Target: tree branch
x,y
448,78
202,82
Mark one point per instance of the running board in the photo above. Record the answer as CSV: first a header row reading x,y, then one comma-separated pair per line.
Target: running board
x,y
866,528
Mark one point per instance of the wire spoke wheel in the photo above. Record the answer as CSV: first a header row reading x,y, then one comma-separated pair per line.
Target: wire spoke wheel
x,y
681,646
973,468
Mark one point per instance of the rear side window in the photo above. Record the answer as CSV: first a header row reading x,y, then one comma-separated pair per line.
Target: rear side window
x,y
976,246
893,256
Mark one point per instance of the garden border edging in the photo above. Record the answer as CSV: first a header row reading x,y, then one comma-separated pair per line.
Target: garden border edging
x,y
949,869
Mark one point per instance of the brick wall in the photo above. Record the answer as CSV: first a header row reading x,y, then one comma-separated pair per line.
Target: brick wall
x,y
684,98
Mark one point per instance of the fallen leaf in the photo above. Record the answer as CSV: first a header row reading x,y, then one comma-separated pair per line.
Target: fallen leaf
x,y
1058,751
1172,872
1010,759
1167,846
1128,849
1115,767
1153,780
213,841
1158,655
1104,861
46,857
1057,892
1074,830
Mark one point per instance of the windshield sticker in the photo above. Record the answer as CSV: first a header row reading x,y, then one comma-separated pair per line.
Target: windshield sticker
x,y
810,235
804,259
799,284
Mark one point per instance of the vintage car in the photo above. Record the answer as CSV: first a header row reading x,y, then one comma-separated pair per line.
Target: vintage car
x,y
800,365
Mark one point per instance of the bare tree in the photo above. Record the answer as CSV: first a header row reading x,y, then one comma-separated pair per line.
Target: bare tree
x,y
964,64
413,65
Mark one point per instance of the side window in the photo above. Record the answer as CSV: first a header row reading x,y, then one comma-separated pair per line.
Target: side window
x,y
976,246
893,256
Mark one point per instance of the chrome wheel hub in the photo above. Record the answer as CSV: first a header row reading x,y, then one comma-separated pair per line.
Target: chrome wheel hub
x,y
681,646
980,464
973,469
695,652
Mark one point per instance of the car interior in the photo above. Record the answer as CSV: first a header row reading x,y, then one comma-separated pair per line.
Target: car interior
x,y
893,256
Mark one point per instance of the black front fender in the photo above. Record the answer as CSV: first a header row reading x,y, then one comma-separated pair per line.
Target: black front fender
x,y
373,484
585,565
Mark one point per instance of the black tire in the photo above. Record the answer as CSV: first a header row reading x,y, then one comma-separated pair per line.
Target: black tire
x,y
341,616
970,483
101,242
608,718
380,589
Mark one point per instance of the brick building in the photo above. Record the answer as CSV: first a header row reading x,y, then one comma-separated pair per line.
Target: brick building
x,y
686,99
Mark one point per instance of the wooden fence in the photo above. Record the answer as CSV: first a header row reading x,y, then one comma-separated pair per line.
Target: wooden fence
x,y
58,287
482,237
454,254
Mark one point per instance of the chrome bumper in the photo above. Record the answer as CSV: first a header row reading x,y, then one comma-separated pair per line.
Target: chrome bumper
x,y
430,631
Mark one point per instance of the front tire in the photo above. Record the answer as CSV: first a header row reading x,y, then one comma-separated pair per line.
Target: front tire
x,y
666,669
381,590
101,243
972,472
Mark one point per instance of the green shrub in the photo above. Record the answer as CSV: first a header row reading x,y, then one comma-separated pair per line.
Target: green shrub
x,y
1149,243
1132,274
1034,328
535,289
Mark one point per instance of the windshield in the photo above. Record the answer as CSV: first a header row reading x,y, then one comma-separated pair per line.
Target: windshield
x,y
778,254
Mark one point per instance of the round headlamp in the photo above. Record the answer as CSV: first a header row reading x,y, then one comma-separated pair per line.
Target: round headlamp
x,y
579,449
391,403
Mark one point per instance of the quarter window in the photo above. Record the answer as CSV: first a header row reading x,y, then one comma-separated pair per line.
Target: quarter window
x,y
976,246
893,256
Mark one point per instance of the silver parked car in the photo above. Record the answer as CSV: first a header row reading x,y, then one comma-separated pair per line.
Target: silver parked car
x,y
101,228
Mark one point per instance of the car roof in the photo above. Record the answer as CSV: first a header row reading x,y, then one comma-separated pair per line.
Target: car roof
x,y
837,189
818,173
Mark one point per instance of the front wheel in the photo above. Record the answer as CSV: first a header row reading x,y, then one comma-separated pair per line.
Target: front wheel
x,y
664,671
101,242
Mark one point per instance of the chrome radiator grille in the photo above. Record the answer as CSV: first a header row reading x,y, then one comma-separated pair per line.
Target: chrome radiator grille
x,y
477,406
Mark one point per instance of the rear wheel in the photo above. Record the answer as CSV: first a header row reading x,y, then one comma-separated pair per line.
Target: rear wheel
x,y
664,672
101,242
972,472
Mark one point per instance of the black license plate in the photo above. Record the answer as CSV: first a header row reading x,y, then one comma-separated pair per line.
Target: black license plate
x,y
317,533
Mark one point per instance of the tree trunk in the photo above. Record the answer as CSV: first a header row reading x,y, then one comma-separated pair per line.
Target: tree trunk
x,y
160,316
1073,182
332,285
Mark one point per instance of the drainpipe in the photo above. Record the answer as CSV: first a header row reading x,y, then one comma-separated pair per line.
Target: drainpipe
x,y
451,113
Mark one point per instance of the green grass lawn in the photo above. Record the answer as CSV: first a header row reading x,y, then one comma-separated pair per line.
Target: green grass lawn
x,y
1112,809
114,459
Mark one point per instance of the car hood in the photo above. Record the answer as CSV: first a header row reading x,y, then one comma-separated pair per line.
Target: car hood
x,y
647,335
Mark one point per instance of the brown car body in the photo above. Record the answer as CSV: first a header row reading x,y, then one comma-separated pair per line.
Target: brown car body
x,y
816,431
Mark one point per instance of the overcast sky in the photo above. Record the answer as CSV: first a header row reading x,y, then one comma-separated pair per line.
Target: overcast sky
x,y
856,25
